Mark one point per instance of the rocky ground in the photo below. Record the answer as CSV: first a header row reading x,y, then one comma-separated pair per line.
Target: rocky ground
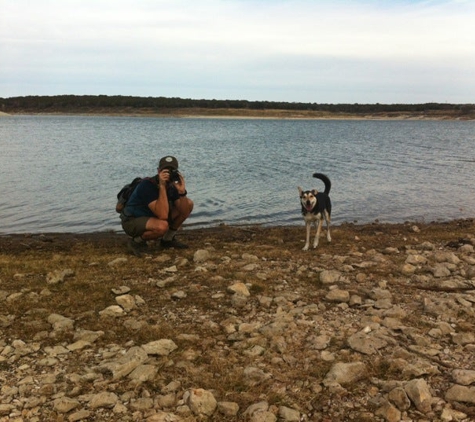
x,y
243,326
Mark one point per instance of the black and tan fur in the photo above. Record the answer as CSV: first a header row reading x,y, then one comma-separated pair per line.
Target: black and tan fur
x,y
316,207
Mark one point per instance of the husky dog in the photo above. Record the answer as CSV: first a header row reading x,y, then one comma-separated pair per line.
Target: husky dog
x,y
316,206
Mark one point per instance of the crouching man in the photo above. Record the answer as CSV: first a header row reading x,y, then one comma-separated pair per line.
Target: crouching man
x,y
157,208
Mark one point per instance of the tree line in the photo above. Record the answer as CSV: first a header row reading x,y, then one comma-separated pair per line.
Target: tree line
x,y
78,103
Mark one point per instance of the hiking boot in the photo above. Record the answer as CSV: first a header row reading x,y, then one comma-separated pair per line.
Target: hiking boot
x,y
172,244
136,248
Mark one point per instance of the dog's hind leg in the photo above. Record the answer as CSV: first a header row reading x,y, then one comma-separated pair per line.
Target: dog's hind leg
x,y
308,226
328,221
318,225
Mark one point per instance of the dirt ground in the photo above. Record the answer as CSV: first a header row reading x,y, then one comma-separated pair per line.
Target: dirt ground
x,y
191,299
346,238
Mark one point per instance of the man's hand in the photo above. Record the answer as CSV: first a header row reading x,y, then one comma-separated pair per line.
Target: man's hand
x,y
163,177
180,186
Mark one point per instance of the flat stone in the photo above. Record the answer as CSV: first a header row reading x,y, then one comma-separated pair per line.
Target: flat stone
x,y
103,400
461,393
161,347
463,376
337,295
329,276
345,373
366,343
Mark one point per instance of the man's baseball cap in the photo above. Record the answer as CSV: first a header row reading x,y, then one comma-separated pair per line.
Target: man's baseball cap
x,y
168,161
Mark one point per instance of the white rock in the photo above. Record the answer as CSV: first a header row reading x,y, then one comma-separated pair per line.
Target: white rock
x,y
103,400
418,391
463,376
345,373
239,288
58,276
161,347
127,302
116,262
112,311
461,393
408,269
329,276
228,408
338,296
65,404
122,290
202,402
286,414
60,322
201,255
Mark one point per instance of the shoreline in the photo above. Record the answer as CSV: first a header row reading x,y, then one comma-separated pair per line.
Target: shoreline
x,y
261,227
255,115
345,236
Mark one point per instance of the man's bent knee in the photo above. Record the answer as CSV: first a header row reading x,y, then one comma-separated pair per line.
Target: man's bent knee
x,y
183,207
190,206
159,227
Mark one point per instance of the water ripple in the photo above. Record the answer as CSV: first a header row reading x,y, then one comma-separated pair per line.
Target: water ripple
x,y
62,173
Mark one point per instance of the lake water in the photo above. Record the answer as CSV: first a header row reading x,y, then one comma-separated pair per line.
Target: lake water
x,y
62,173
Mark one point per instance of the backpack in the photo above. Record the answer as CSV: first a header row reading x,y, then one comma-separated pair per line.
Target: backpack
x,y
124,194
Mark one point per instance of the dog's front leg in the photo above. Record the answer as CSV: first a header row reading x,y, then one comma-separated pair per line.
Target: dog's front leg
x,y
317,235
308,226
329,237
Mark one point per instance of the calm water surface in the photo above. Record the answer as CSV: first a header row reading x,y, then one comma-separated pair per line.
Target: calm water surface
x,y
61,174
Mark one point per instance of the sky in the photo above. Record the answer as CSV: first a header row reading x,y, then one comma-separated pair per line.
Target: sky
x,y
312,51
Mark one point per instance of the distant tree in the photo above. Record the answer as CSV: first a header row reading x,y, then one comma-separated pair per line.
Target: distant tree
x,y
75,103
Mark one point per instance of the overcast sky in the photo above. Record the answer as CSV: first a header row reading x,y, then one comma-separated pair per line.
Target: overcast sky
x,y
323,51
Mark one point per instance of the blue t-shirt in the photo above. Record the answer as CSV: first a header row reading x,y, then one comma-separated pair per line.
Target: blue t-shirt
x,y
145,193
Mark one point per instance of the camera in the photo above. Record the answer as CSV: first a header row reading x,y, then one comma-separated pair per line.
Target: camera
x,y
174,176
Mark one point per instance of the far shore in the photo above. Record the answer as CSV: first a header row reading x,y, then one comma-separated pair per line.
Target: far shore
x,y
252,114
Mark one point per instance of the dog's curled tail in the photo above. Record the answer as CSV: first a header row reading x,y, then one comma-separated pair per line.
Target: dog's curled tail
x,y
325,180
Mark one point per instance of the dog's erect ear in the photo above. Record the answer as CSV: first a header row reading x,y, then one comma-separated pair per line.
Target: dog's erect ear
x,y
300,190
314,191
